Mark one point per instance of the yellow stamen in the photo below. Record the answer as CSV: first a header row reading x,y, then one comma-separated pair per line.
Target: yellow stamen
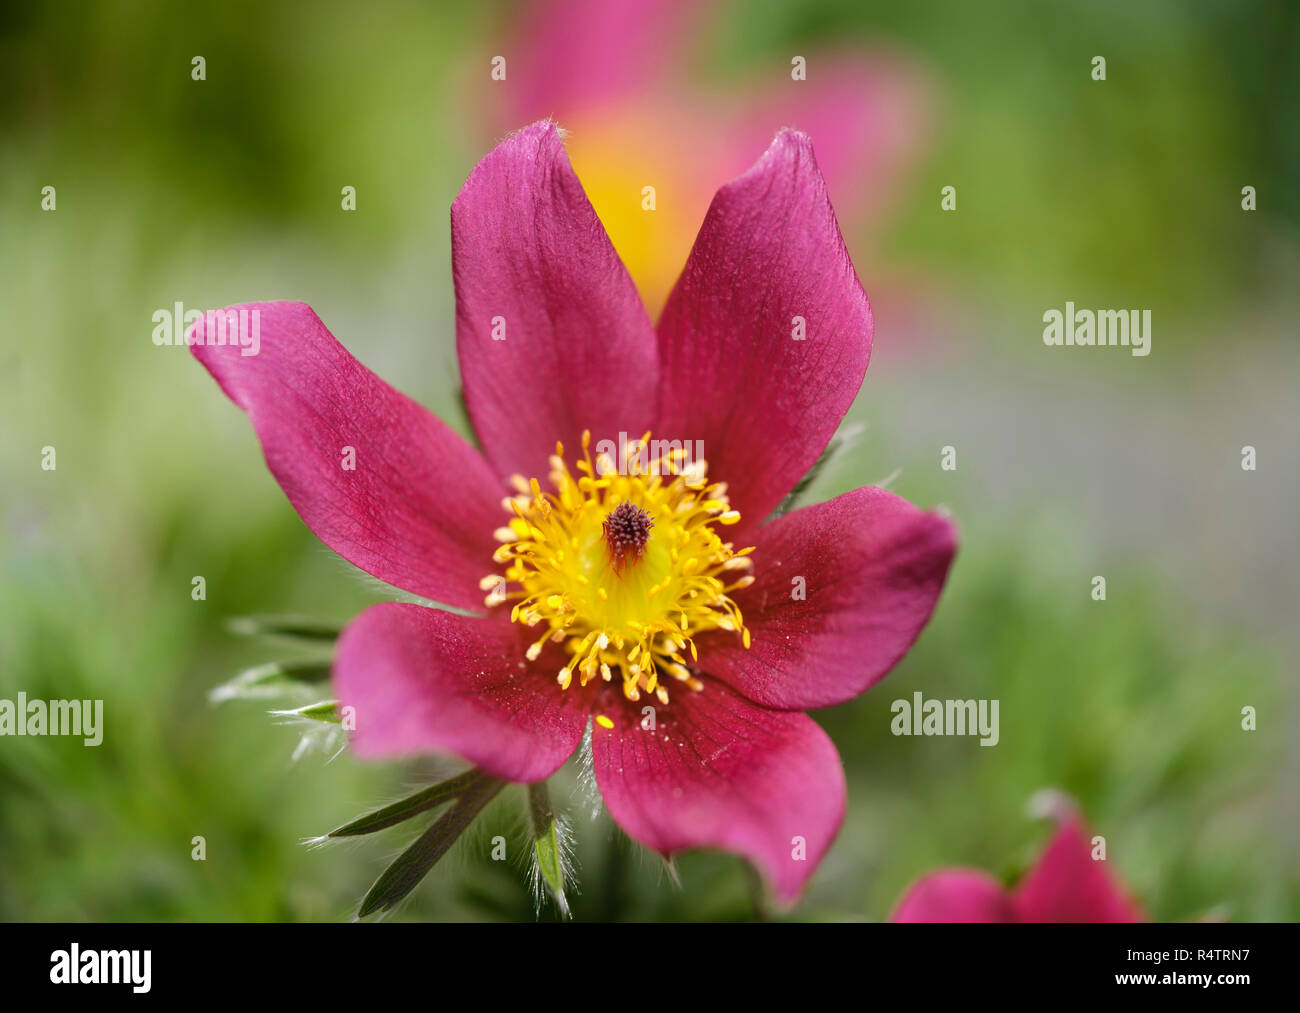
x,y
628,598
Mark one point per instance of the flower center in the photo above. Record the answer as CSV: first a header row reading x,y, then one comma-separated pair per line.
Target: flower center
x,y
625,570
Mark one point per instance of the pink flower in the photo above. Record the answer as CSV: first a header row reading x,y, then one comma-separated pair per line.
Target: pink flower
x,y
645,106
597,594
1067,885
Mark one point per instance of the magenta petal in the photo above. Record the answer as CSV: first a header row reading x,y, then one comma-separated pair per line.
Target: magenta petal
x,y
533,266
423,680
872,566
1067,885
718,772
418,509
734,376
576,54
954,895
867,111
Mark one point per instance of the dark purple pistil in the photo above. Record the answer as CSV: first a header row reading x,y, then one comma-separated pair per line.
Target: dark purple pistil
x,y
627,529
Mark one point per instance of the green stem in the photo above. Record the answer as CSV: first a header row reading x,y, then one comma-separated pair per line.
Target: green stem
x,y
546,844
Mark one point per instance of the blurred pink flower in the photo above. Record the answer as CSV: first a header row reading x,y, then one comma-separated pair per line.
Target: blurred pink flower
x,y
619,76
1067,885
620,582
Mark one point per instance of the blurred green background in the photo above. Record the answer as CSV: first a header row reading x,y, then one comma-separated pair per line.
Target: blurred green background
x,y
1071,462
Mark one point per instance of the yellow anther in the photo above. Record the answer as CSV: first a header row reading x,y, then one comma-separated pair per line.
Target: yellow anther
x,y
633,614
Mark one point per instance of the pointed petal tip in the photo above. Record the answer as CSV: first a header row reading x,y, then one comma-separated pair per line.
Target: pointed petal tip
x,y
791,137
541,139
787,144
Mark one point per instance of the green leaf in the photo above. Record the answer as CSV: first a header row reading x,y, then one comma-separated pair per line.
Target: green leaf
x,y
413,864
546,844
288,627
325,710
838,441
269,680
413,805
